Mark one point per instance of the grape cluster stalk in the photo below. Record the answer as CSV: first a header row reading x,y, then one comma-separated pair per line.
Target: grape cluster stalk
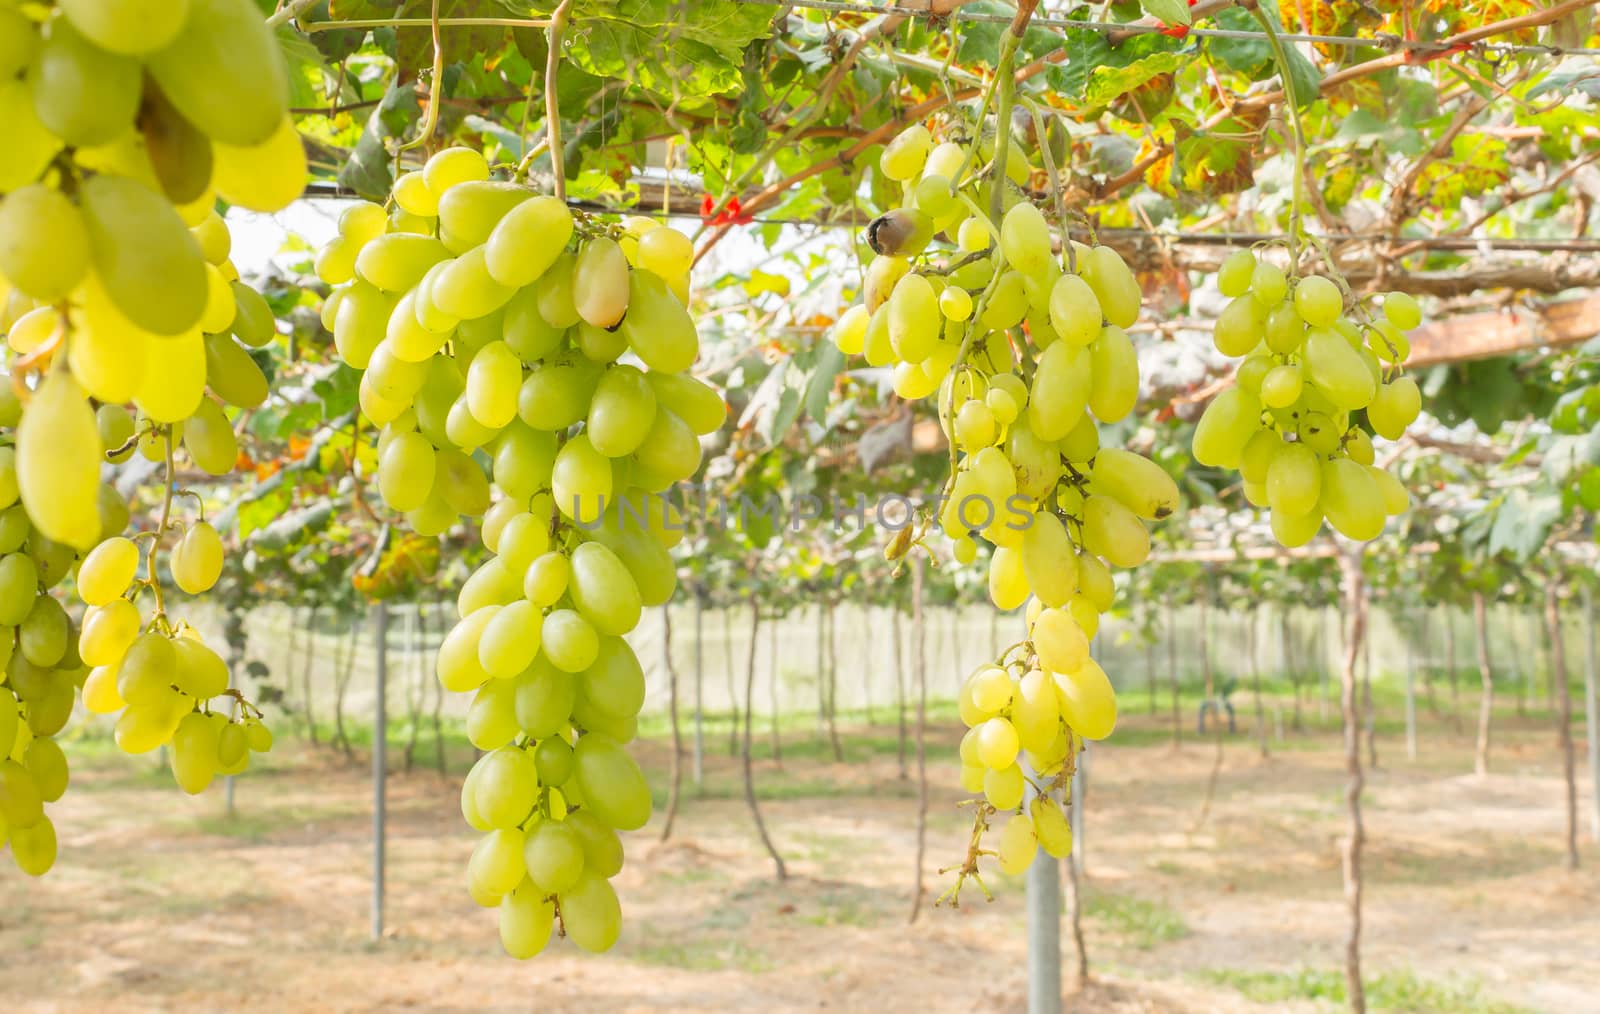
x,y
126,122
494,326
1026,354
1312,373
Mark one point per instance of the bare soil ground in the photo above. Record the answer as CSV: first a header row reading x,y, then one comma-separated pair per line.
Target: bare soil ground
x,y
162,902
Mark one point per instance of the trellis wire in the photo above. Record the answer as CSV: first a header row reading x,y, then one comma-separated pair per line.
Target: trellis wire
x,y
323,191
1382,41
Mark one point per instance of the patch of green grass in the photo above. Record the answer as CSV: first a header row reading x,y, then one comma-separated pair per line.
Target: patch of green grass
x,y
705,954
1401,990
1143,923
844,909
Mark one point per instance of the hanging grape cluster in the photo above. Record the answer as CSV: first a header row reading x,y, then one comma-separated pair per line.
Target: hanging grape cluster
x,y
1027,355
1311,371
124,125
494,324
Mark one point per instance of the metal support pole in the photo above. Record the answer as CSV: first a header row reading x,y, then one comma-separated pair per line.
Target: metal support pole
x,y
1080,792
380,731
699,682
1411,698
1044,932
1591,676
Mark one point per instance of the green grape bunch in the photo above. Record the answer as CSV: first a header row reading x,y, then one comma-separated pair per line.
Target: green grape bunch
x,y
494,325
1025,354
127,331
1291,424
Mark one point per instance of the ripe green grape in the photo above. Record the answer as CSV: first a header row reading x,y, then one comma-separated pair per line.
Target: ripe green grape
x,y
1402,310
1233,278
510,640
82,93
914,319
570,641
1136,482
208,437
506,787
200,672
406,472
107,571
906,153
603,590
147,670
46,272
581,478
194,752
232,375
1003,787
1018,844
197,559
1337,370
553,856
527,917
1318,301
1352,501
1240,327
658,327
223,72
1115,368
1060,389
143,255
600,283
1051,827
58,462
611,783
266,177
621,412
1088,702
614,682
107,632
1113,532
1395,407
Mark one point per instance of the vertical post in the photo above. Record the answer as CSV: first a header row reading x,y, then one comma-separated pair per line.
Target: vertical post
x,y
1080,792
1591,676
227,785
1356,608
1044,932
699,682
380,733
1411,698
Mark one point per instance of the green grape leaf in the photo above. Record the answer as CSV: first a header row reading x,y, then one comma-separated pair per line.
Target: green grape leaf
x,y
412,47
1523,522
1109,82
335,44
819,386
1213,162
368,171
980,40
1172,12
671,47
1089,53
1253,57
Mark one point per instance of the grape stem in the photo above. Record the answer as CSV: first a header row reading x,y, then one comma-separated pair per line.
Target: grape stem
x,y
1281,57
1069,252
161,530
998,179
435,86
198,500
552,110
